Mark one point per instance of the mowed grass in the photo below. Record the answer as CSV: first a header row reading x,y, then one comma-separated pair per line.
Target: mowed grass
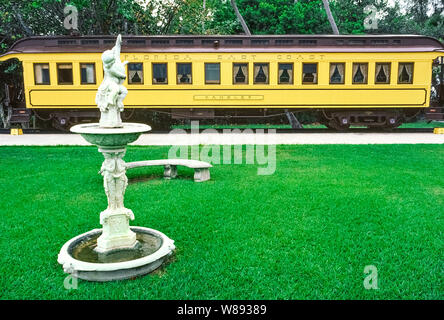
x,y
418,124
305,232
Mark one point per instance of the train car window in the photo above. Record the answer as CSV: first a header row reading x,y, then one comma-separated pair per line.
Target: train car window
x,y
235,42
337,72
185,42
212,73
184,75
66,42
360,73
309,73
87,73
41,73
135,73
160,42
261,73
285,73
405,73
91,42
308,42
356,42
240,73
261,42
160,74
382,75
136,42
283,42
379,42
64,73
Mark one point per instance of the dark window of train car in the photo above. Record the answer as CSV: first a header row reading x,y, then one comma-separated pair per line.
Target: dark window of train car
x,y
212,73
260,42
360,73
337,73
309,73
64,73
135,73
285,73
87,73
235,42
184,75
261,73
405,73
41,73
160,74
382,73
240,73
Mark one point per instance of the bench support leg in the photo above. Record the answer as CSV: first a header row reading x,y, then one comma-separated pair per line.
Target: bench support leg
x,y
170,172
201,175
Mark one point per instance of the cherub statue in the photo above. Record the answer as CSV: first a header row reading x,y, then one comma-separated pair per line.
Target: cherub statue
x,y
114,178
109,97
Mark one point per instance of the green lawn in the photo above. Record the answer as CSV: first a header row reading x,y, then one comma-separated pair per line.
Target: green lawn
x,y
419,124
423,124
306,232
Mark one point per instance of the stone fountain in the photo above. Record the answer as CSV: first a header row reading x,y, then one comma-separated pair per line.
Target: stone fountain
x,y
117,251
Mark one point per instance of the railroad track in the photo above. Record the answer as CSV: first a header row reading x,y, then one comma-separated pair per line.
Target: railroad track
x,y
222,130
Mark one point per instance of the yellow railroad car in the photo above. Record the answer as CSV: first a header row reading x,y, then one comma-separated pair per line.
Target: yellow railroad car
x,y
371,80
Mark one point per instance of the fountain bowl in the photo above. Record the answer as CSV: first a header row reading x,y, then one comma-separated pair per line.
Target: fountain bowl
x,y
110,138
79,258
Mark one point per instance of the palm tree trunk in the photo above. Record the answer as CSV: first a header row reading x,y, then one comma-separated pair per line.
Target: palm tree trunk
x,y
240,18
330,17
203,20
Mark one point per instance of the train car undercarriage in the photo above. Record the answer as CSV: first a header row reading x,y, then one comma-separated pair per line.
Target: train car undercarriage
x,y
162,119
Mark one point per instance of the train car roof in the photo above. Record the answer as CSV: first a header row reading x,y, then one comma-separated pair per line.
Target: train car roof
x,y
229,43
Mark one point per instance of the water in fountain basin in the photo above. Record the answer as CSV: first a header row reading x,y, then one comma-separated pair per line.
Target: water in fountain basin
x,y
84,250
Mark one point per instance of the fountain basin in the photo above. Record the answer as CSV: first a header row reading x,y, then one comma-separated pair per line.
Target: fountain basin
x,y
110,138
79,258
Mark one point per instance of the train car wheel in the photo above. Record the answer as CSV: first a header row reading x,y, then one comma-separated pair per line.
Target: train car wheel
x,y
393,122
61,123
336,125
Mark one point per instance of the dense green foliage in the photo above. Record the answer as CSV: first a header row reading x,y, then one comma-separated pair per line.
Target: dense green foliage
x,y
309,17
45,17
305,232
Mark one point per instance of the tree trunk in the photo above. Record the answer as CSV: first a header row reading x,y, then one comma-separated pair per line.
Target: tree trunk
x,y
330,17
27,30
204,11
239,17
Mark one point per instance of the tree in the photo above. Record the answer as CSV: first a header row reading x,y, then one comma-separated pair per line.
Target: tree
x,y
330,17
427,17
240,18
20,18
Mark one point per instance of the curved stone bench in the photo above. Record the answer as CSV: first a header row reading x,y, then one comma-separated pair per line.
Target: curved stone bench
x,y
201,169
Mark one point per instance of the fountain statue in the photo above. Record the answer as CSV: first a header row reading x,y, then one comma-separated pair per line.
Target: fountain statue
x,y
111,92
117,251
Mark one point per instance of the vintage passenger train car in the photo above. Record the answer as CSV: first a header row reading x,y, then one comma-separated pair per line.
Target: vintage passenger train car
x,y
371,80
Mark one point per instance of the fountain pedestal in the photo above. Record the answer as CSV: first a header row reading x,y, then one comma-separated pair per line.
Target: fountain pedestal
x,y
115,219
117,251
116,234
